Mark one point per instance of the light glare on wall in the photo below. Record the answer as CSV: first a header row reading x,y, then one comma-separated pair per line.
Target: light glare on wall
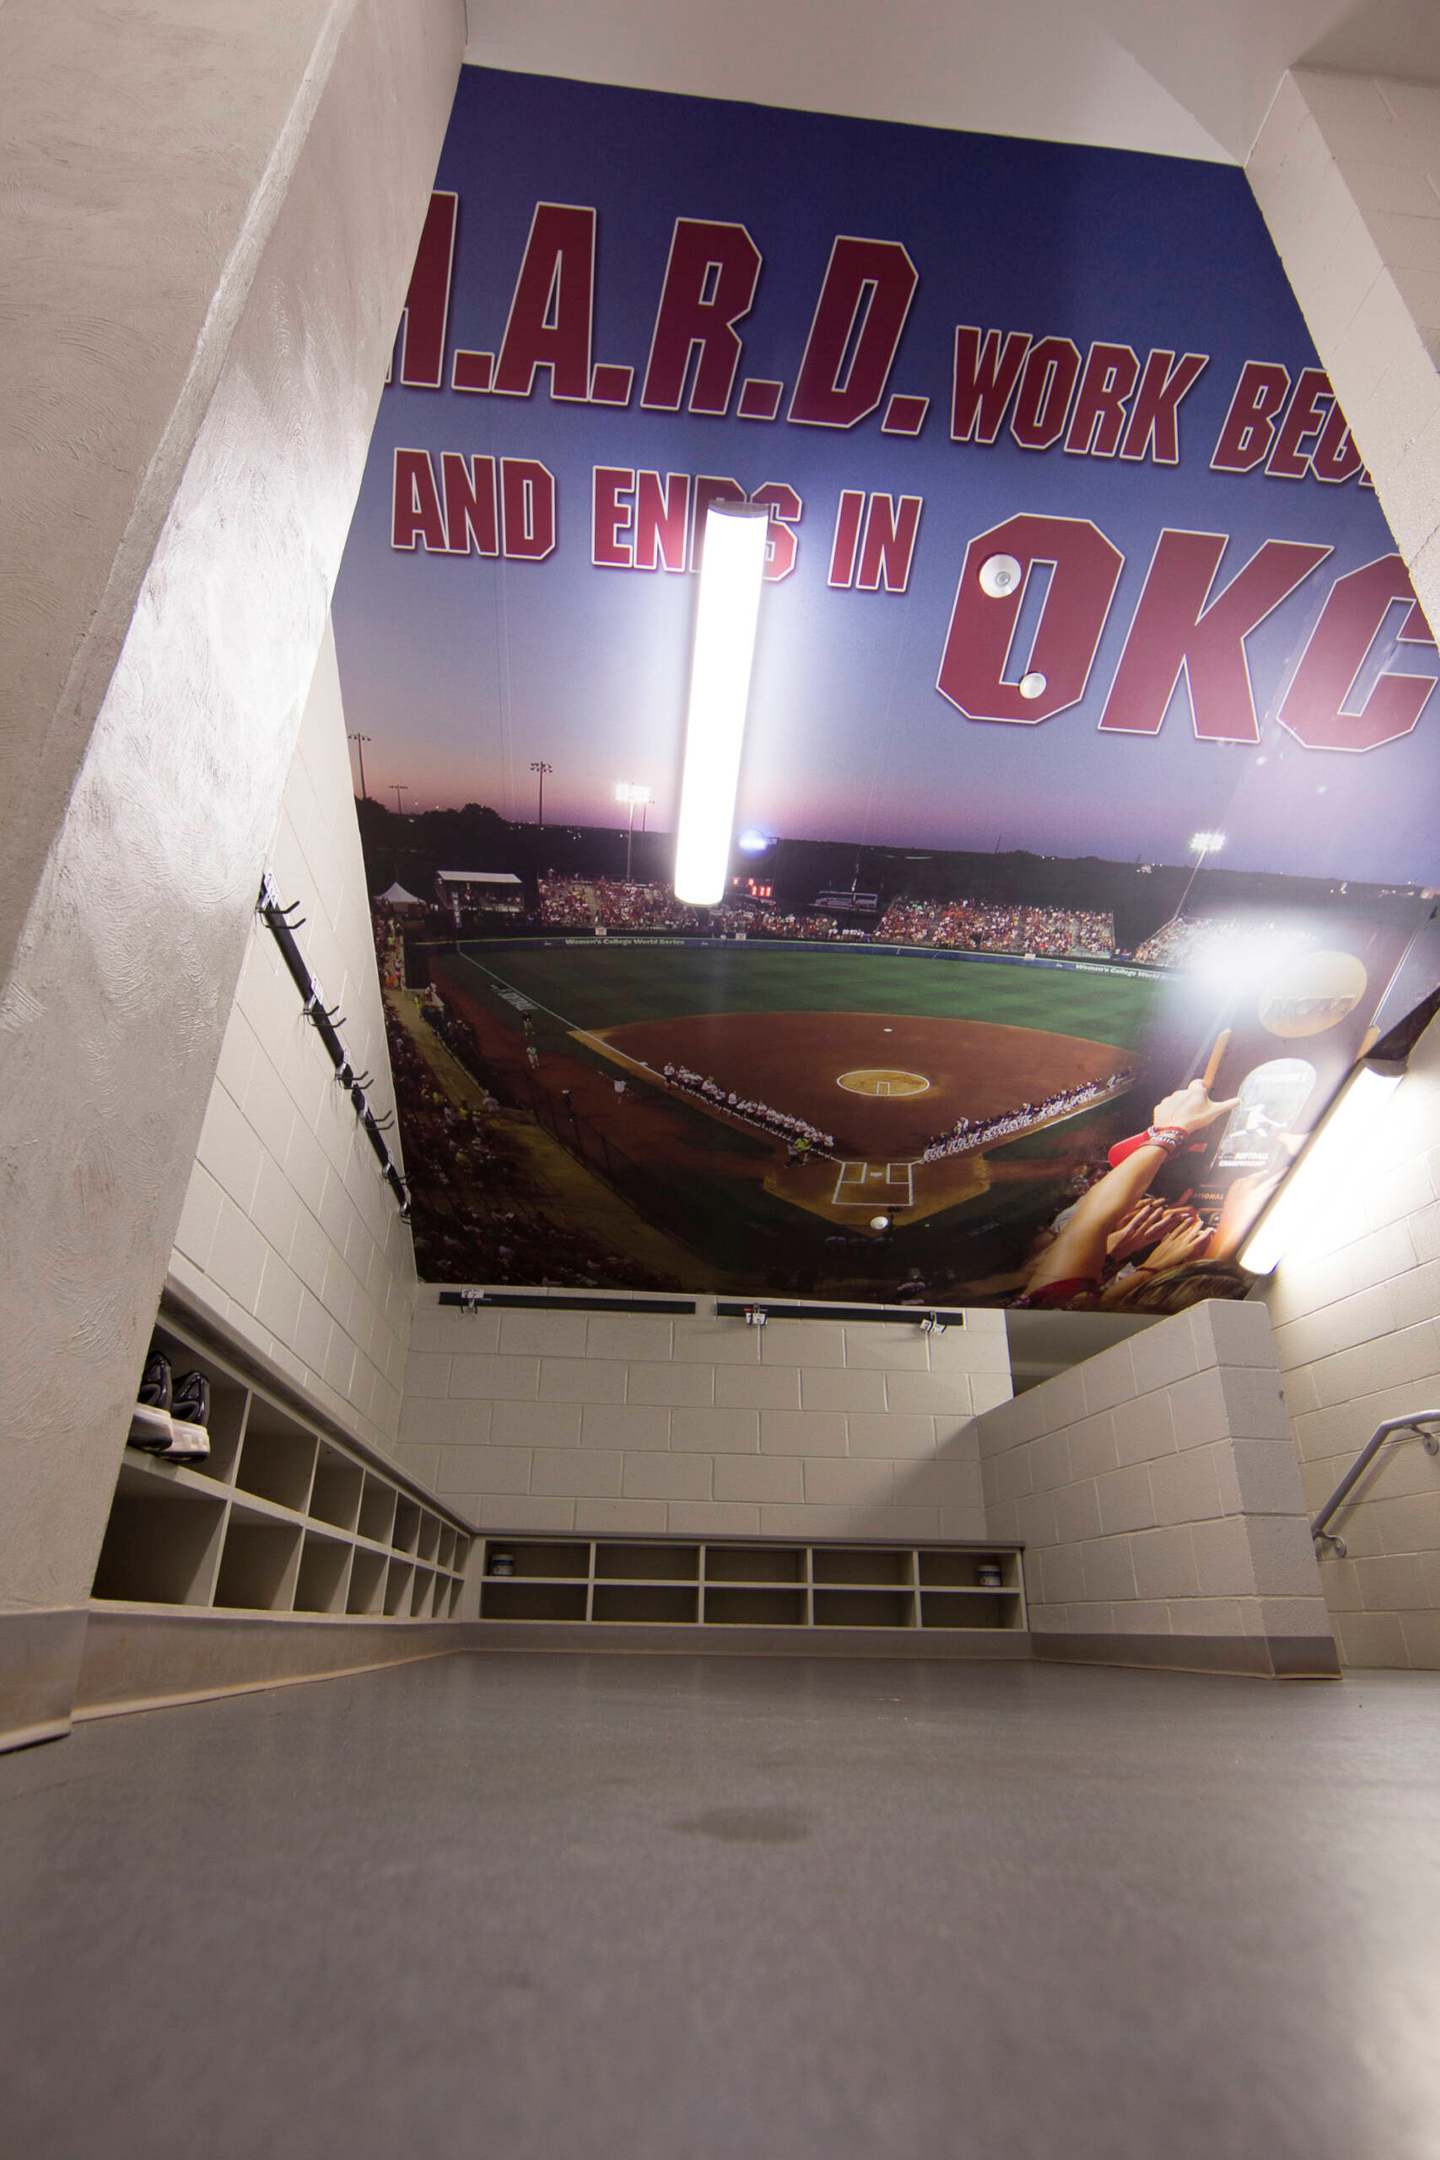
x,y
727,607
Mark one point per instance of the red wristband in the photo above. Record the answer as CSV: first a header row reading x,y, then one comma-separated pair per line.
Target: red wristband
x,y
1175,1139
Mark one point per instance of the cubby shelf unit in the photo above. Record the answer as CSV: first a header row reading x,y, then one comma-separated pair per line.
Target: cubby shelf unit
x,y
284,1519
795,1590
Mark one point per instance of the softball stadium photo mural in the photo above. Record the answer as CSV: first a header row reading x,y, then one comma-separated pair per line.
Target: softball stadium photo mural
x,y
1085,728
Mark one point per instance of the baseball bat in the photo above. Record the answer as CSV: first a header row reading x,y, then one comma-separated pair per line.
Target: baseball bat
x,y
1222,1044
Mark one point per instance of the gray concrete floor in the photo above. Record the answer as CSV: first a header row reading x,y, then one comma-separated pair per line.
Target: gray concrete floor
x,y
699,1909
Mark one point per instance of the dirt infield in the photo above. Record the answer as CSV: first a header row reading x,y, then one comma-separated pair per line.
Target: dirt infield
x,y
795,1061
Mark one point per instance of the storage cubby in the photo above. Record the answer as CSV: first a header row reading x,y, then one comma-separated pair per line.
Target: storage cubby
x,y
324,1575
160,1545
377,1511
865,1608
367,1583
970,1608
862,1564
533,1600
944,1569
653,1603
335,1494
258,1566
647,1563
228,1400
546,1560
683,1583
280,1518
754,1605
755,1563
277,1466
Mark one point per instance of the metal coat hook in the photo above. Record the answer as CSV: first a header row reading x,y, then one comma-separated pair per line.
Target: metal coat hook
x,y
327,1020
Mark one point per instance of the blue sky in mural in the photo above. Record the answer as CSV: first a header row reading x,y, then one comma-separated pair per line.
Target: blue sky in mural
x,y
463,669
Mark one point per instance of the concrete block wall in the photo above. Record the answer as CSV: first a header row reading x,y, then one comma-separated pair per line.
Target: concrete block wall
x,y
288,1236
616,1422
1359,1342
1346,170
1158,1496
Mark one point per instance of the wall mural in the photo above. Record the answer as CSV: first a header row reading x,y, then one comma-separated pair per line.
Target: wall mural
x,y
1088,778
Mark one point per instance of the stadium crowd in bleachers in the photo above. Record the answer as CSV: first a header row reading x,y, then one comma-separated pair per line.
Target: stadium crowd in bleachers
x,y
1186,939
757,921
471,1219
800,1136
612,904
961,924
967,1133
989,926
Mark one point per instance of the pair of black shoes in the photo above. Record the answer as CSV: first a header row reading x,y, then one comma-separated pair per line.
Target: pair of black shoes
x,y
171,1416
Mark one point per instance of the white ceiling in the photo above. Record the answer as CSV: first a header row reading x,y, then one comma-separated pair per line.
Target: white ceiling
x,y
1186,78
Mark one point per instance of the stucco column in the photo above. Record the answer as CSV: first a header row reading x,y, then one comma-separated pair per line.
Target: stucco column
x,y
213,211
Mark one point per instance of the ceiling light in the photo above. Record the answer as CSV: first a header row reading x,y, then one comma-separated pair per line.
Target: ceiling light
x,y
1332,1168
728,604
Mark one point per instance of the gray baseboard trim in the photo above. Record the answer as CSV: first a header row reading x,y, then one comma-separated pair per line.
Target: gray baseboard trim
x,y
40,1655
693,1640
1260,1657
152,1659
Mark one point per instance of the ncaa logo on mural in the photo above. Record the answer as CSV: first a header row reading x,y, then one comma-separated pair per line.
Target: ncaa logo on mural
x,y
1311,994
882,1080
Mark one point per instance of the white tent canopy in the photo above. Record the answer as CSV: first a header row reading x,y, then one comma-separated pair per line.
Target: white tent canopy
x,y
396,896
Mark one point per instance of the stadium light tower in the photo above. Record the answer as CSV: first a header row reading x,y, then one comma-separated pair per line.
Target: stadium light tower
x,y
1201,845
360,742
631,792
726,611
540,768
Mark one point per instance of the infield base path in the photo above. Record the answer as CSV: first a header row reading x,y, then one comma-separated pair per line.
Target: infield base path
x,y
796,1062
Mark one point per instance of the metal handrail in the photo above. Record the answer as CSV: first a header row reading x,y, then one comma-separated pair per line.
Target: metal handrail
x,y
1415,1423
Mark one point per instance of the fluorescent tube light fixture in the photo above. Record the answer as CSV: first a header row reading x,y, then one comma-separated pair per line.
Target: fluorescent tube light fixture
x,y
1324,1177
727,608
1328,1169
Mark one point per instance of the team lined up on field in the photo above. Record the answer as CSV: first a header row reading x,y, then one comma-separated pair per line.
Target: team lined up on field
x,y
803,1138
967,1133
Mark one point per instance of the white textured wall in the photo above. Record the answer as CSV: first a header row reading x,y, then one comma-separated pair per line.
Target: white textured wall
x,y
1359,1342
1346,170
1156,1491
637,1422
289,1235
134,933
146,157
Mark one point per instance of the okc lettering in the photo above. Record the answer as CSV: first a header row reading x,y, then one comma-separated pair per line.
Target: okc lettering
x,y
1187,622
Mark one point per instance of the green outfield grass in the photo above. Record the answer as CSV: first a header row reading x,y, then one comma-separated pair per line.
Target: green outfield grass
x,y
611,985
